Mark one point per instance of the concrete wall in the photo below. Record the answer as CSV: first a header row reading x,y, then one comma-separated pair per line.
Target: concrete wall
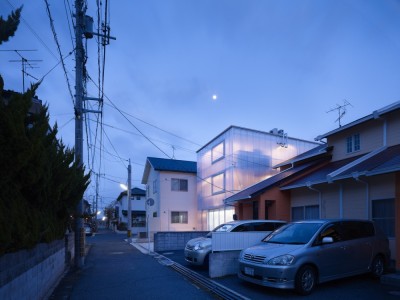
x,y
166,241
34,273
223,263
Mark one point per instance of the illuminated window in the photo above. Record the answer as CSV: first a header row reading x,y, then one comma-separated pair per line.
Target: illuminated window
x,y
180,217
218,152
218,183
179,185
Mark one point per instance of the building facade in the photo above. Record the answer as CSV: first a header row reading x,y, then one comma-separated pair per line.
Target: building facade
x,y
171,195
235,159
138,210
362,179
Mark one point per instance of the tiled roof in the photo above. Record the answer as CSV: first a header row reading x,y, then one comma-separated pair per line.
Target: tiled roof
x,y
386,161
313,153
320,175
134,192
266,184
173,165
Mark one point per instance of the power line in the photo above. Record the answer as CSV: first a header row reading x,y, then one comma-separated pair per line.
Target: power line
x,y
34,33
129,121
59,49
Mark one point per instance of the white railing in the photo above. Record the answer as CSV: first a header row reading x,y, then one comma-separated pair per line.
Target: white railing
x,y
229,241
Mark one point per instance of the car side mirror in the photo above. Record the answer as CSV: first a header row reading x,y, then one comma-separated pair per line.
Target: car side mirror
x,y
327,240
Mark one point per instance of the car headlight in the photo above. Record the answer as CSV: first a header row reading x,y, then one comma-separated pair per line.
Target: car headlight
x,y
198,246
283,260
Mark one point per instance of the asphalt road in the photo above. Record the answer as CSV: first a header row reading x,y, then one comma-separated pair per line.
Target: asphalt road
x,y
115,269
361,287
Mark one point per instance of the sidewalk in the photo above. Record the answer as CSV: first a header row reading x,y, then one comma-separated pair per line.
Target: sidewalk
x,y
115,269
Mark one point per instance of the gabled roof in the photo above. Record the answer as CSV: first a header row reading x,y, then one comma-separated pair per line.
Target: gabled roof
x,y
375,115
312,154
266,184
169,165
374,163
172,165
386,161
134,192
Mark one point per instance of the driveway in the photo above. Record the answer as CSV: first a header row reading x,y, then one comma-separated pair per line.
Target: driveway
x,y
357,287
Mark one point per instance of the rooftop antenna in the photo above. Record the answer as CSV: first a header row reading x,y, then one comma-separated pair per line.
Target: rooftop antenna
x,y
25,63
173,152
341,109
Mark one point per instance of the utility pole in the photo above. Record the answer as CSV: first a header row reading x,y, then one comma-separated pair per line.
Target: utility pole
x,y
83,28
79,61
129,229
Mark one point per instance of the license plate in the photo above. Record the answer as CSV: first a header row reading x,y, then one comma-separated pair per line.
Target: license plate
x,y
249,271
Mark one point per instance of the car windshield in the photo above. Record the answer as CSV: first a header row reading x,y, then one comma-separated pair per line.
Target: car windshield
x,y
295,234
220,228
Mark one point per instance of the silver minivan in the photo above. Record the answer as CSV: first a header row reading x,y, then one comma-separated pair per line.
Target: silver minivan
x,y
301,254
197,250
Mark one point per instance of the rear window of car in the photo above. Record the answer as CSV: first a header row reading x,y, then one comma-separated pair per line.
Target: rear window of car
x,y
223,228
355,230
258,226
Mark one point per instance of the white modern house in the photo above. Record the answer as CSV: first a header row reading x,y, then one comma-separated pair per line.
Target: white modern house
x,y
138,209
234,160
171,195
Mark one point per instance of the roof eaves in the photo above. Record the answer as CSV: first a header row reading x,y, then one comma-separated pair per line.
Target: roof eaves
x,y
375,114
304,184
333,175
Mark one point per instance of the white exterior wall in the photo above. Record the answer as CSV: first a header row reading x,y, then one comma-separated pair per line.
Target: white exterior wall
x,y
153,221
167,201
249,156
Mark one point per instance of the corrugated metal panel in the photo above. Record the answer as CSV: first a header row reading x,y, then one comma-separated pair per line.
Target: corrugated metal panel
x,y
229,241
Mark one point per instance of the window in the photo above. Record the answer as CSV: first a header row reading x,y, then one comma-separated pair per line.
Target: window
x,y
305,212
384,216
180,217
179,185
155,186
353,143
137,197
218,152
218,183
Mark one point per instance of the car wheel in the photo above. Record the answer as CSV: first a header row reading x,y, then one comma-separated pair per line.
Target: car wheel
x,y
377,266
306,279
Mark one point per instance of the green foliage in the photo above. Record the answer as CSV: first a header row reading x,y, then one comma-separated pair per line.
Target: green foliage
x,y
40,184
9,27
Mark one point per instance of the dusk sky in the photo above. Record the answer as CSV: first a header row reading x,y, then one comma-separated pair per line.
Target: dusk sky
x,y
271,64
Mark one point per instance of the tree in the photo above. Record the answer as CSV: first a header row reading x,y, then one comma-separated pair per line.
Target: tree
x,y
109,212
40,184
9,27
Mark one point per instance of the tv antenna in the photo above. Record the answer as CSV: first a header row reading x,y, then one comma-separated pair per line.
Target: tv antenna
x,y
341,109
25,63
173,152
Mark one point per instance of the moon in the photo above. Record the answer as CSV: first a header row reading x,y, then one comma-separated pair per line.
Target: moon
x,y
214,97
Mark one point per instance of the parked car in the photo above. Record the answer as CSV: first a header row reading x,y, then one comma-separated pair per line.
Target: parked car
x,y
197,250
301,254
88,229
